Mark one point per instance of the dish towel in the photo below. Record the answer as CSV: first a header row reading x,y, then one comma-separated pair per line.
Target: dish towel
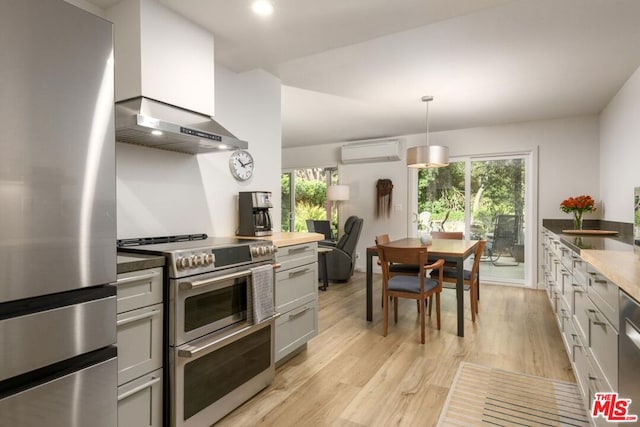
x,y
262,289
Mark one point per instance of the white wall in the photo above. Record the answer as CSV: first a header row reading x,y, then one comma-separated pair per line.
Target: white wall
x,y
567,159
620,151
161,192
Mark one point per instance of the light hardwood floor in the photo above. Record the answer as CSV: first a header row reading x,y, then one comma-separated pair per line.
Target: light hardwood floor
x,y
350,375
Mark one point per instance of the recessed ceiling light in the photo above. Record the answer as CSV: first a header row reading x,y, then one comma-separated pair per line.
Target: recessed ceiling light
x,y
156,132
262,7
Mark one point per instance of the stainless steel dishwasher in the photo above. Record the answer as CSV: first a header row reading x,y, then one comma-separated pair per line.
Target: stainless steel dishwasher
x,y
629,352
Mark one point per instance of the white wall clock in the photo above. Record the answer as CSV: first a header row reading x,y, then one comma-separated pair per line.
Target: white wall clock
x,y
241,165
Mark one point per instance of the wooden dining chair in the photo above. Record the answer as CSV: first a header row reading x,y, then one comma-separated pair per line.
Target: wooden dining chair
x,y
396,268
418,286
471,278
456,235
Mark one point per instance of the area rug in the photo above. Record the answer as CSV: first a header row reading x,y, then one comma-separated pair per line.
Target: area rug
x,y
486,396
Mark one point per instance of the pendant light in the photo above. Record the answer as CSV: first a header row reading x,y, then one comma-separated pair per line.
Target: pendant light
x,y
427,156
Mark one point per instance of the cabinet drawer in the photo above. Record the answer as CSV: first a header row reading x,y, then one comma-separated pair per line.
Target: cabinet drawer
x,y
138,289
140,401
139,342
296,286
604,295
579,271
581,367
564,287
296,255
581,305
603,343
295,328
564,315
566,257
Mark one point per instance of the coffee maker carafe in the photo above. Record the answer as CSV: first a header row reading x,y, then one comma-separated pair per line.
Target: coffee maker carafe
x,y
254,216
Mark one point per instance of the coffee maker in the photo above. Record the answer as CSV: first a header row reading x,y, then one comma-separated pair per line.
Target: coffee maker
x,y
254,216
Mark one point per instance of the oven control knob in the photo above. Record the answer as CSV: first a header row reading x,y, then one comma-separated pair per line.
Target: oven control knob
x,y
208,259
255,251
183,262
273,249
196,260
263,250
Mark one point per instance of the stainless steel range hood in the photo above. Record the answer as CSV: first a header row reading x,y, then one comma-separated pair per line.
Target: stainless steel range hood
x,y
145,121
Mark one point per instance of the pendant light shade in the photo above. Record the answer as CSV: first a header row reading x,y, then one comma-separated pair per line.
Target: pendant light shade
x,y
427,156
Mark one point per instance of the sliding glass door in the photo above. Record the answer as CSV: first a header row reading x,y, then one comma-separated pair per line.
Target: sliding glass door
x,y
486,198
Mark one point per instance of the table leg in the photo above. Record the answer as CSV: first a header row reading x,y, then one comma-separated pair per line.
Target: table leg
x,y
369,286
325,273
460,295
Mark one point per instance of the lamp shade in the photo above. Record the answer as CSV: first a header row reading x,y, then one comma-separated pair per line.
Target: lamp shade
x,y
428,156
338,192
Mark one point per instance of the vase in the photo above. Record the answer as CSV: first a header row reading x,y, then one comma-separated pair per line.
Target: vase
x,y
577,220
425,236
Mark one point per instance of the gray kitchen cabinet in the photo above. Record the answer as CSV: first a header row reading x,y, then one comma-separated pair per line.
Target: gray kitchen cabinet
x,y
139,340
296,298
585,303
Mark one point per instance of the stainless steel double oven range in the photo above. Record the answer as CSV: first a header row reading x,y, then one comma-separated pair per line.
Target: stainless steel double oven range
x,y
218,357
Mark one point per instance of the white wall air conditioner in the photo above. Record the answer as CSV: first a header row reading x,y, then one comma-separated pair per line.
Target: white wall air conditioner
x,y
384,150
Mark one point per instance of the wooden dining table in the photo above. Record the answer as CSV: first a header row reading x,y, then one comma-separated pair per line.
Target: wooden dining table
x,y
452,251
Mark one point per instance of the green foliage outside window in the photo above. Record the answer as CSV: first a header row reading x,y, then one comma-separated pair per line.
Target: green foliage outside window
x,y
310,197
497,187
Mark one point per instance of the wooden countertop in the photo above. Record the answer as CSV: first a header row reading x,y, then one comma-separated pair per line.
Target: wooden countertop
x,y
281,239
622,268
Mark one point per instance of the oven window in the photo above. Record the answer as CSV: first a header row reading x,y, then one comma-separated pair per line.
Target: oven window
x,y
218,373
209,307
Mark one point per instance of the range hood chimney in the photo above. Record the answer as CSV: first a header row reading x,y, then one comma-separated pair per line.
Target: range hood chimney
x,y
164,68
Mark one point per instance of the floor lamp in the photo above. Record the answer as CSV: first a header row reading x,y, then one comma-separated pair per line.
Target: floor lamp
x,y
338,193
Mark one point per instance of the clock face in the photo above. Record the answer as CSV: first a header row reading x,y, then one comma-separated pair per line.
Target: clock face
x,y
241,165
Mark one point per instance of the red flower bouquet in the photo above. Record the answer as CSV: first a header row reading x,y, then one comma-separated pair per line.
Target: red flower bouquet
x,y
578,205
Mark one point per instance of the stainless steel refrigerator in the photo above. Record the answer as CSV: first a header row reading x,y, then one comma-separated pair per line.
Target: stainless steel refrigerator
x,y
58,364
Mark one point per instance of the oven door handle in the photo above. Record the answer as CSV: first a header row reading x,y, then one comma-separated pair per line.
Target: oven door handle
x,y
215,344
199,283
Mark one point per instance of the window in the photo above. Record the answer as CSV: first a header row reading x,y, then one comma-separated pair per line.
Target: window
x,y
306,191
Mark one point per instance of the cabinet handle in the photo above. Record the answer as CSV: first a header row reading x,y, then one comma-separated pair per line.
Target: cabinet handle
x,y
591,314
600,281
296,250
141,277
299,313
574,338
298,272
564,272
141,387
138,317
577,288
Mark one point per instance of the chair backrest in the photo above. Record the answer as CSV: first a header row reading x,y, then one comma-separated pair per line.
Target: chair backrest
x,y
505,233
390,255
321,226
453,235
382,239
476,259
349,240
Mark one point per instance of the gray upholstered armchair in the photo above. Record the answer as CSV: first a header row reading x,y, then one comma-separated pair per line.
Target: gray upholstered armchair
x,y
341,260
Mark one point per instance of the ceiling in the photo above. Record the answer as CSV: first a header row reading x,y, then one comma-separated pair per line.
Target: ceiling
x,y
356,69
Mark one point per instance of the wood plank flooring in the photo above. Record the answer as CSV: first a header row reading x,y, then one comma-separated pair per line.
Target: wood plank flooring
x,y
350,375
